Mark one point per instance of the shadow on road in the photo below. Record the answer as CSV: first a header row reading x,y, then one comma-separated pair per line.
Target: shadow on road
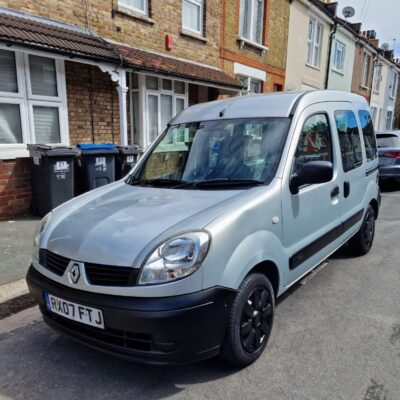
x,y
58,368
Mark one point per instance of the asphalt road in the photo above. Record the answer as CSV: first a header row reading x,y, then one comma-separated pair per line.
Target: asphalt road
x,y
335,337
16,238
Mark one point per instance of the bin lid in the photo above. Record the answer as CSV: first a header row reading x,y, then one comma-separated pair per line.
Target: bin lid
x,y
52,151
130,150
97,148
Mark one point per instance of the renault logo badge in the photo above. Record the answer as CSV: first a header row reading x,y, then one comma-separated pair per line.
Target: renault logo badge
x,y
75,273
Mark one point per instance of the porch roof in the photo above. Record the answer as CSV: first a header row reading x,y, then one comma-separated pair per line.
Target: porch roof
x,y
47,35
155,62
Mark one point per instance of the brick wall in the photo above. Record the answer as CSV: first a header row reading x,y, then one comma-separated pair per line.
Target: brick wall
x,y
15,187
93,108
166,14
357,73
276,25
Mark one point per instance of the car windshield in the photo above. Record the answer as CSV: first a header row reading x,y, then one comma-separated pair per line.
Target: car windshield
x,y
241,151
387,140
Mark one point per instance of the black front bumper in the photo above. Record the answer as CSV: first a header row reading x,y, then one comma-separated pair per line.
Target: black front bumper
x,y
165,330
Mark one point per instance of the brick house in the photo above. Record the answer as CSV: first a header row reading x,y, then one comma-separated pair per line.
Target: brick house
x,y
253,43
107,72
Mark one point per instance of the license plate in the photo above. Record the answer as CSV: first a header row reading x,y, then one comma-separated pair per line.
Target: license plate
x,y
76,312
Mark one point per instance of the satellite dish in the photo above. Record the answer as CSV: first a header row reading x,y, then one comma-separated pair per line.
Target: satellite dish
x,y
385,46
348,12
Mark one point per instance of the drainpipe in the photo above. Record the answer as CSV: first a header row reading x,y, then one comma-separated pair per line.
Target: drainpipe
x,y
328,67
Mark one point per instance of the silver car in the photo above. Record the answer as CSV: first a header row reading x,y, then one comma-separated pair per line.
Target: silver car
x,y
389,155
233,203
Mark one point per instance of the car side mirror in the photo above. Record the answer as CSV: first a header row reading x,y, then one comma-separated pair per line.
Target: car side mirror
x,y
311,173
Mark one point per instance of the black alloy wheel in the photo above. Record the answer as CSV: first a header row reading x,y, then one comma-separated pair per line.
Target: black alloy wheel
x,y
250,321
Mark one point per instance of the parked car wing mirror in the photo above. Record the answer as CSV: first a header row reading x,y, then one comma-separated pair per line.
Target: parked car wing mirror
x,y
311,173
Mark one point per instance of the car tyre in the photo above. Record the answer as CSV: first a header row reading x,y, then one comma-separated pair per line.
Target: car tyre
x,y
361,242
250,321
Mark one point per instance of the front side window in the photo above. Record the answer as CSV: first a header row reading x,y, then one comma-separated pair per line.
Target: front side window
x,y
369,135
192,15
315,142
140,6
349,139
251,20
338,56
223,150
31,99
365,70
314,42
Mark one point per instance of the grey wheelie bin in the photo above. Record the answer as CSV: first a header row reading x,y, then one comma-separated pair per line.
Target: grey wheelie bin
x,y
96,165
126,159
52,176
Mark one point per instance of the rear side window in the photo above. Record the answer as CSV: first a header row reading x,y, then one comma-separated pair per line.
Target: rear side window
x,y
315,142
387,140
369,135
349,139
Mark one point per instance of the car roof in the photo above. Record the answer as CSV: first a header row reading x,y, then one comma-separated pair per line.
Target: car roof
x,y
282,104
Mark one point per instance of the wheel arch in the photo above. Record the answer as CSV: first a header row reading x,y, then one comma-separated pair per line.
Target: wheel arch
x,y
374,204
270,270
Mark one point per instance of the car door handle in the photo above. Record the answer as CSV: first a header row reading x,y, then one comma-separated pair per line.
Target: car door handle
x,y
335,192
346,189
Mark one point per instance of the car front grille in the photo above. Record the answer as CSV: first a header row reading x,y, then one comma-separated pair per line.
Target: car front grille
x,y
53,262
108,275
131,340
97,274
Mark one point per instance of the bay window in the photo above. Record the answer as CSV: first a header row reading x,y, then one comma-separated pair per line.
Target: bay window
x,y
32,100
155,101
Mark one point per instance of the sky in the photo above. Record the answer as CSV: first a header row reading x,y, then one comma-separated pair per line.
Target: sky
x,y
383,16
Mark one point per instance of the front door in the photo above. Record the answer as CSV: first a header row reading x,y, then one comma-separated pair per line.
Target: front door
x,y
311,216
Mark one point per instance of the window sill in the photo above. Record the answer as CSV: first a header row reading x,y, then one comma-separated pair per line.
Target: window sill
x,y
365,88
193,35
131,13
337,71
313,67
243,41
11,153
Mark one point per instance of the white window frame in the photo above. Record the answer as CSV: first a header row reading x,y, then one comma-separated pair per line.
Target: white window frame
x,y
144,12
389,120
314,47
250,24
200,4
143,119
393,88
374,113
250,79
61,120
365,70
26,101
376,84
339,56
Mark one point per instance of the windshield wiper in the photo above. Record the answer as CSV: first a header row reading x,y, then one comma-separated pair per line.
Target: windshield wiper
x,y
220,182
158,181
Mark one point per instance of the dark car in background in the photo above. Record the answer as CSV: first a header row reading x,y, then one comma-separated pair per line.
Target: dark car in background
x,y
389,155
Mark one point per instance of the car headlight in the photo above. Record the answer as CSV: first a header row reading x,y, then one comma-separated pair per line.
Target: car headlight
x,y
38,234
177,258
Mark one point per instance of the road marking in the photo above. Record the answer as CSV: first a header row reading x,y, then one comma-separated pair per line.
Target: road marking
x,y
13,289
19,320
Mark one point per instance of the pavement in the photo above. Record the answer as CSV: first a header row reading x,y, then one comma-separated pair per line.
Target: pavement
x,y
16,240
336,336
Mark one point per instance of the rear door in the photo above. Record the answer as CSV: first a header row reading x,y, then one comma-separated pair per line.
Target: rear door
x,y
310,216
352,183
